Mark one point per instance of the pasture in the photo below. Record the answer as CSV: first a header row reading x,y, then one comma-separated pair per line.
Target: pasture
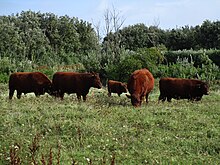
x,y
108,130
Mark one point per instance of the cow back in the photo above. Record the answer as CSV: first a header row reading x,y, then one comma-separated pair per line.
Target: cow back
x,y
141,82
74,82
180,88
29,81
116,86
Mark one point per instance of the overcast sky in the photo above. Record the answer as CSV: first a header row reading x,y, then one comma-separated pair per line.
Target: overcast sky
x,y
167,14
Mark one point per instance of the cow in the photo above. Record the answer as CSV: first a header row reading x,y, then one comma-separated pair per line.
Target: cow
x,y
27,82
179,88
74,82
116,87
140,84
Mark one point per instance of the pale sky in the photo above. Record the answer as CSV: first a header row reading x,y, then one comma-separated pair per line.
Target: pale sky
x,y
167,14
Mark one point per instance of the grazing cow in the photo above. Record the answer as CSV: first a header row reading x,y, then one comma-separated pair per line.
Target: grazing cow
x,y
140,84
27,82
73,82
179,88
116,87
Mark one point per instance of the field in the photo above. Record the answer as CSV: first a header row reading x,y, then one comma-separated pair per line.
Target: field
x,y
108,130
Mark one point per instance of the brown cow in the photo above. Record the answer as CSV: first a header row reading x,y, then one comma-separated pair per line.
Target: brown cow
x,y
140,84
73,82
116,87
179,88
27,82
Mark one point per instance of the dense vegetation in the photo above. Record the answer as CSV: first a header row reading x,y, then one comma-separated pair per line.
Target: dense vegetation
x,y
32,41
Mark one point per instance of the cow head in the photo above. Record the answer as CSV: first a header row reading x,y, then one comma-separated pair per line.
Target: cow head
x,y
49,89
135,100
123,87
96,82
203,88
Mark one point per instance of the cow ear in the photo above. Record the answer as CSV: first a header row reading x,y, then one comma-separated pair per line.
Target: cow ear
x,y
129,96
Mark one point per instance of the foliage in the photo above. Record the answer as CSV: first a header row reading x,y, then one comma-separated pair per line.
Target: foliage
x,y
34,36
199,57
30,40
209,72
185,68
140,36
123,69
137,36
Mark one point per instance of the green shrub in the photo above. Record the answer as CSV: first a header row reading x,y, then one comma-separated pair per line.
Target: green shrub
x,y
199,57
209,72
4,78
122,71
214,55
7,65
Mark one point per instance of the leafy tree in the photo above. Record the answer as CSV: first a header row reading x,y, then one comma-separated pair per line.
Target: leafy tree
x,y
209,34
39,37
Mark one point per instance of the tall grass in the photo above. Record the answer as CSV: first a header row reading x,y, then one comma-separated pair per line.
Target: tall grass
x,y
108,130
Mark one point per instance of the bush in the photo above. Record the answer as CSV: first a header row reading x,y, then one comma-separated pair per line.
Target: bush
x,y
4,78
199,57
214,55
122,71
209,72
7,65
184,69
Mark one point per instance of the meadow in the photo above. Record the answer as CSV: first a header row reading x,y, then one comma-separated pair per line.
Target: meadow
x,y
108,130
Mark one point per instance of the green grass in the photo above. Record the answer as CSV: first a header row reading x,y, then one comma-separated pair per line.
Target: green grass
x,y
108,130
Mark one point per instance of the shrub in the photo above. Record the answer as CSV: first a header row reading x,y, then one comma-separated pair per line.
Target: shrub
x,y
209,72
7,65
199,57
4,78
122,71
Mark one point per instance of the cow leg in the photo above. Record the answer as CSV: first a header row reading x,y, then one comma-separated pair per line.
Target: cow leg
x,y
84,98
37,94
161,97
109,94
11,93
78,97
57,93
169,99
147,97
197,98
19,94
61,94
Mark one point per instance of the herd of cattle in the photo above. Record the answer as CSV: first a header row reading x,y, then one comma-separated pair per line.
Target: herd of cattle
x,y
139,85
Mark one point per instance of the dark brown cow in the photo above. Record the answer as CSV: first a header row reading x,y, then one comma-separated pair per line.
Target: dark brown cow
x,y
116,87
179,88
140,84
73,82
27,82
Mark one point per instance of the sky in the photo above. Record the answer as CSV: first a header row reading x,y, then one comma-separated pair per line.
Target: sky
x,y
167,14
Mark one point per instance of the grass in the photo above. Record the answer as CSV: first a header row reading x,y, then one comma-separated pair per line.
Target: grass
x,y
108,130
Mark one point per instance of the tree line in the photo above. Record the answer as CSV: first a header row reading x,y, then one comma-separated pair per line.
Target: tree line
x,y
32,39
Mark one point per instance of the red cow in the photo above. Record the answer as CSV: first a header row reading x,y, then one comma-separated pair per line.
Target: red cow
x,y
73,82
179,88
140,84
116,87
27,82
